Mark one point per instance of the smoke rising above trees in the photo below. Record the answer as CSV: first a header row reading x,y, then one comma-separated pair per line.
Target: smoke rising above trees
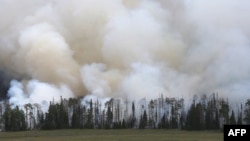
x,y
124,49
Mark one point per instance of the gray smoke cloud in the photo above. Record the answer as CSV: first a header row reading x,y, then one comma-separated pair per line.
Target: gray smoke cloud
x,y
131,49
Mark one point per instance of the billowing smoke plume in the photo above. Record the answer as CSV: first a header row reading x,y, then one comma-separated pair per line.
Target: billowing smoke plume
x,y
125,48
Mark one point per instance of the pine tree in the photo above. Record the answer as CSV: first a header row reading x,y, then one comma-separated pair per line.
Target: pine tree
x,y
232,118
143,120
247,112
6,118
133,120
89,124
224,111
14,119
239,119
109,118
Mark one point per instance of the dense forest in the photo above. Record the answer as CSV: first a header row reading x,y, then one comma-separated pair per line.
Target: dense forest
x,y
207,112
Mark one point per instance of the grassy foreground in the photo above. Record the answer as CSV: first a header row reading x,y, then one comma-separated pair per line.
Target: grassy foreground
x,y
112,135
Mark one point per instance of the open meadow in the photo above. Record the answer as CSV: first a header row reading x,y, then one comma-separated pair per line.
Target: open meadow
x,y
112,135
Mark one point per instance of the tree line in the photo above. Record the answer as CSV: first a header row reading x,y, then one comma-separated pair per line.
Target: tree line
x,y
204,113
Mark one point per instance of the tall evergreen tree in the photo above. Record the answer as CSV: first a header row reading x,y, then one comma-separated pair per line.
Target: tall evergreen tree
x,y
224,111
133,120
143,120
247,112
232,118
90,124
240,118
109,119
14,119
163,124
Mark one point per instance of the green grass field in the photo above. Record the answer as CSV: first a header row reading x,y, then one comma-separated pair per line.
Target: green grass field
x,y
112,135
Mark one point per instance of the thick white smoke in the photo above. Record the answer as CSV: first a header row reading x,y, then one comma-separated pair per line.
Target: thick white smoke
x,y
131,49
36,92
